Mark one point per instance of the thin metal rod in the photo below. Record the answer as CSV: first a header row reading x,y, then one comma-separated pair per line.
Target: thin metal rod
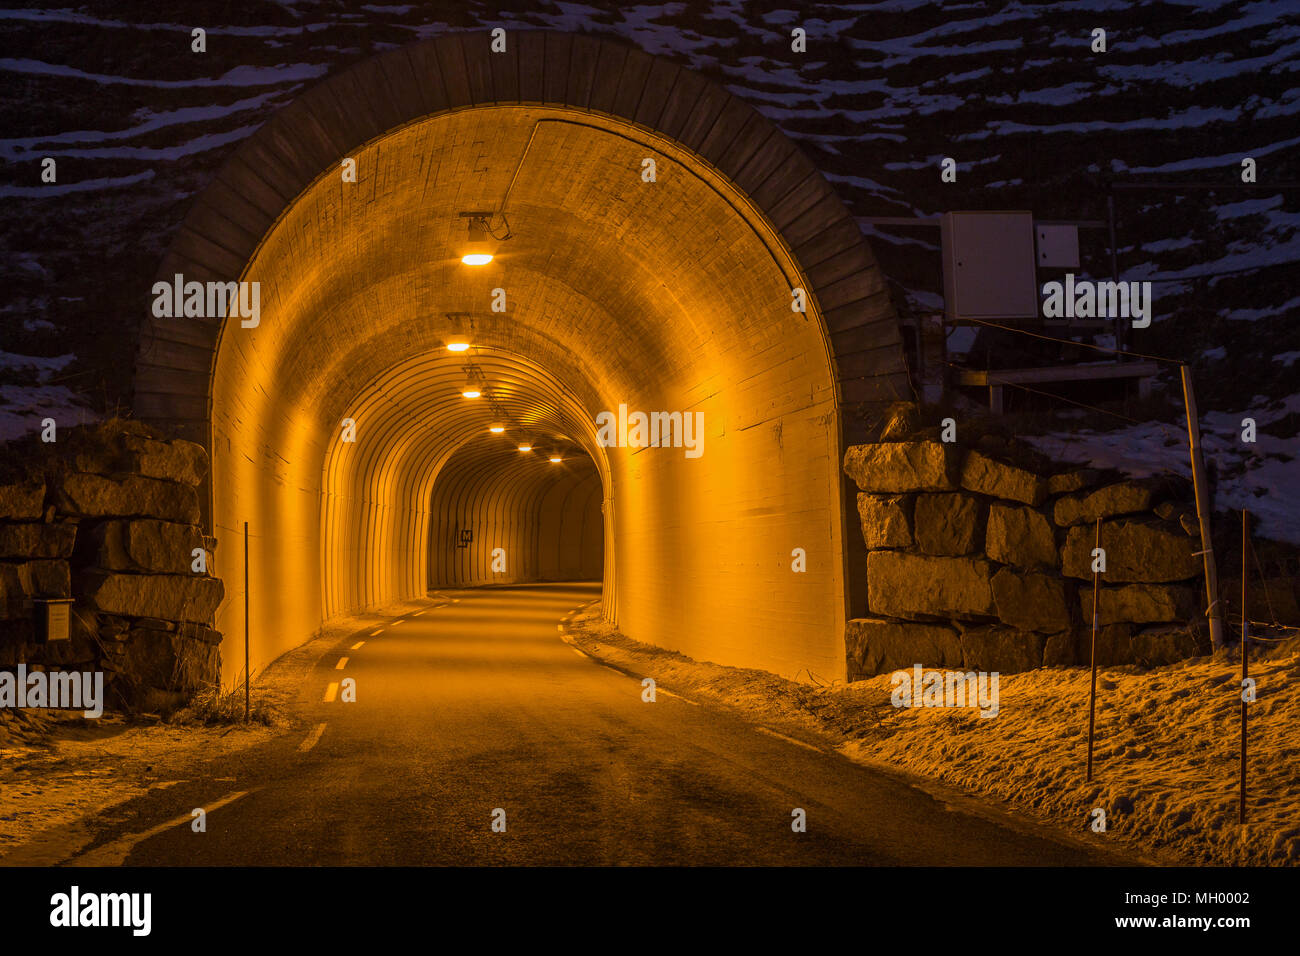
x,y
247,692
1199,484
1092,694
1121,336
1245,624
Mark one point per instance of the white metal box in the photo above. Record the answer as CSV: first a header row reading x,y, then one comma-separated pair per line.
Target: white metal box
x,y
988,266
1058,247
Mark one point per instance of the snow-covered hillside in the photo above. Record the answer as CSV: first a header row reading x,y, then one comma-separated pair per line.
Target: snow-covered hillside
x,y
137,124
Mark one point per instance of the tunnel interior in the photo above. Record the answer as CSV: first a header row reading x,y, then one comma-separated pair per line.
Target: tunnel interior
x,y
670,295
660,251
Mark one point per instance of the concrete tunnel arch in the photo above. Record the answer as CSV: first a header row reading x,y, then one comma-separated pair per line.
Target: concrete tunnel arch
x,y
666,296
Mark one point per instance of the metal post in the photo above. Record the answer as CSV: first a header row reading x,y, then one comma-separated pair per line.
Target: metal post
x,y
1092,694
1245,624
1214,612
1121,339
247,693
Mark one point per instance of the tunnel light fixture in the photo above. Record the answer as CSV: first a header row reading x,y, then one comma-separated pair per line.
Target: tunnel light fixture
x,y
525,446
471,388
478,248
555,458
458,325
496,429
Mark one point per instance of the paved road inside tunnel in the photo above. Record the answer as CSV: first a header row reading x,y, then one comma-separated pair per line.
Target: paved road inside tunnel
x,y
478,705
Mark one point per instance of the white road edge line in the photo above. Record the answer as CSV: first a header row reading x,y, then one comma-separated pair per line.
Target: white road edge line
x,y
331,692
579,653
115,853
312,739
790,740
684,700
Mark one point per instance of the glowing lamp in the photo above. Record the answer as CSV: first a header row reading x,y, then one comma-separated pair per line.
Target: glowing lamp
x,y
477,250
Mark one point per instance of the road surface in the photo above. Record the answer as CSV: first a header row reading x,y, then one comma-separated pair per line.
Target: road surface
x,y
478,706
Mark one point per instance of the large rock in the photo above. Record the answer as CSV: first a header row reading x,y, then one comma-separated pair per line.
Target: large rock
x,y
1031,601
917,586
95,496
1158,646
175,460
949,523
1069,482
168,661
1126,497
1062,649
1020,536
173,597
1006,650
1119,644
901,467
1141,604
988,476
1114,646
199,632
880,647
1136,551
37,540
146,545
22,501
21,582
886,520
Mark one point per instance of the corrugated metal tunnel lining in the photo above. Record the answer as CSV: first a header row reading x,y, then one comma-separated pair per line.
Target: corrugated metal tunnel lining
x,y
672,295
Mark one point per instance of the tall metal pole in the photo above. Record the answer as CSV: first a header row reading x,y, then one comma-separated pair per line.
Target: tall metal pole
x,y
1121,333
1245,624
247,693
1214,611
1092,694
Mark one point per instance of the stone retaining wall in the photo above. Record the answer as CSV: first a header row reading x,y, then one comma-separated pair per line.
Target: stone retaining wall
x,y
109,516
979,563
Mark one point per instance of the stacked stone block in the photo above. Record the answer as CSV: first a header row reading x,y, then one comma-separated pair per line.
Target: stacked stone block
x,y
979,563
110,517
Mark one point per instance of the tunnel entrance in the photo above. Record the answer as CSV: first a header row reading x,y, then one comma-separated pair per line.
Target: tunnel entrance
x,y
610,291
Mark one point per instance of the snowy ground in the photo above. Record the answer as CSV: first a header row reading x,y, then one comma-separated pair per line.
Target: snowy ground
x,y
1166,758
1260,475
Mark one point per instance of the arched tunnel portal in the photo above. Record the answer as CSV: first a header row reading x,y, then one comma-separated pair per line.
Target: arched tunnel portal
x,y
615,292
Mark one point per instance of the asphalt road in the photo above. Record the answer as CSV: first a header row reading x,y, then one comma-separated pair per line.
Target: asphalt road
x,y
478,705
